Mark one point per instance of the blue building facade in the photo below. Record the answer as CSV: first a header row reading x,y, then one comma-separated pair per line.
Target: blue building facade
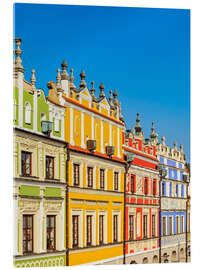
x,y
173,198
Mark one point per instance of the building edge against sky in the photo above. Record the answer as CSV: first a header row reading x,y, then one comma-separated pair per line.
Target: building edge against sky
x,y
70,168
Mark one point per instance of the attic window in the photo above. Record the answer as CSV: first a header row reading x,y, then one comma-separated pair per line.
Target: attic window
x,y
27,113
56,127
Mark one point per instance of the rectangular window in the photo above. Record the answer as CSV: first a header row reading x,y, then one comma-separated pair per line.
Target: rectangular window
x,y
89,230
131,227
115,228
145,226
75,231
176,190
27,234
170,226
177,225
145,186
164,226
132,184
51,232
49,167
76,174
115,180
90,177
26,163
101,229
102,178
154,187
182,221
153,226
163,189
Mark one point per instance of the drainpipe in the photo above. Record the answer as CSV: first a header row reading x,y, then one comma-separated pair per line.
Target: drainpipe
x,y
67,208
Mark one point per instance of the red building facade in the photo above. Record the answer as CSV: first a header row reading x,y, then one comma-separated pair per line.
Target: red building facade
x,y
142,199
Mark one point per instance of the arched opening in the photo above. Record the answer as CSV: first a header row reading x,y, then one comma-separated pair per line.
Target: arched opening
x,y
145,260
27,113
182,252
173,256
155,259
133,262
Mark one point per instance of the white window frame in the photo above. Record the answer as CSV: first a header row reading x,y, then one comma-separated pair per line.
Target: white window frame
x,y
27,113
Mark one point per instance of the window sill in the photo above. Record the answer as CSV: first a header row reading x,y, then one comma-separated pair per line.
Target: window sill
x,y
52,179
27,175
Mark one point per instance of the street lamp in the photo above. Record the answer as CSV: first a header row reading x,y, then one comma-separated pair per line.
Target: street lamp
x,y
129,157
186,179
162,174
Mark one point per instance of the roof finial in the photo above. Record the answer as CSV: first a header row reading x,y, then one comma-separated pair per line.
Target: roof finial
x,y
163,140
175,144
181,147
92,90
115,95
72,78
82,84
138,128
101,94
64,74
18,52
58,78
153,134
111,98
33,79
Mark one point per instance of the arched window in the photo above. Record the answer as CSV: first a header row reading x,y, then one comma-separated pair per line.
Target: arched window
x,y
56,122
155,259
27,113
145,260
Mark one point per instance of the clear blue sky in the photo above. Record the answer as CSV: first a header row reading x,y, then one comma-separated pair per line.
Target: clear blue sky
x,y
143,53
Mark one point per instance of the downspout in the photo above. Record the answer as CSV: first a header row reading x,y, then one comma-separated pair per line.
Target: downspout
x,y
67,199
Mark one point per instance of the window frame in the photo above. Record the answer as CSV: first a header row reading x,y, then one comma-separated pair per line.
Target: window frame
x,y
90,177
154,188
132,183
177,225
153,225
23,164
164,226
146,186
170,225
48,167
131,227
75,231
116,181
89,230
115,228
102,178
76,174
26,228
145,227
54,228
101,229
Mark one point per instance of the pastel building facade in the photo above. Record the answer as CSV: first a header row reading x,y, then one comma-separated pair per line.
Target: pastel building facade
x,y
142,199
93,130
39,181
173,197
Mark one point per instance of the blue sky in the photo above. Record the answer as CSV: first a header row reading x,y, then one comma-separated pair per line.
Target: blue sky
x,y
143,53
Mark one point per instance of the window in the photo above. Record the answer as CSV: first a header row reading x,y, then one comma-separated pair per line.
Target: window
x,y
90,177
145,226
164,226
177,225
89,230
154,187
145,186
131,227
76,174
115,228
177,190
170,189
182,223
51,232
163,189
102,178
75,231
153,226
43,116
101,229
27,233
170,226
27,113
132,184
49,167
56,126
26,163
182,191
115,180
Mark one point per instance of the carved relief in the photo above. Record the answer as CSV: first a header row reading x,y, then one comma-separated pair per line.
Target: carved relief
x,y
52,205
28,204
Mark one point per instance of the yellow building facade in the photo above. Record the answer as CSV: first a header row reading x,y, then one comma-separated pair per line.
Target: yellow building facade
x,y
93,129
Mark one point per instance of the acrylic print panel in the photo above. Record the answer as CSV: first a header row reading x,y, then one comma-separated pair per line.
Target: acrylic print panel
x,y
101,135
